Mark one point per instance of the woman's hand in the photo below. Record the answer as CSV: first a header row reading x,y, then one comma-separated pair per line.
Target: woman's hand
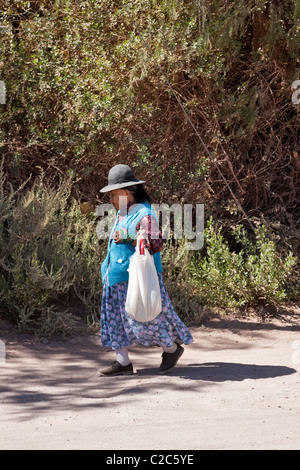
x,y
117,237
123,237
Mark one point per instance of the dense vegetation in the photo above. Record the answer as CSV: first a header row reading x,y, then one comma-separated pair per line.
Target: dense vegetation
x,y
87,87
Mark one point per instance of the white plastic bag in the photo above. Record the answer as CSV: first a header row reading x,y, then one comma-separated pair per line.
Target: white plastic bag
x,y
143,301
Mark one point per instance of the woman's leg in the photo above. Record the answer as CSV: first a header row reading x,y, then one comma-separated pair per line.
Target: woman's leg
x,y
122,356
169,350
170,357
122,365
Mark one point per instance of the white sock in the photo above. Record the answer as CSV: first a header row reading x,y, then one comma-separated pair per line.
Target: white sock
x,y
170,349
122,356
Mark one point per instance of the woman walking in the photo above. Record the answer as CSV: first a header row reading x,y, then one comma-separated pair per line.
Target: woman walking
x,y
118,329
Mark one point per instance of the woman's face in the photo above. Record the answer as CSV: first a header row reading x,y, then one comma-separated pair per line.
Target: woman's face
x,y
116,195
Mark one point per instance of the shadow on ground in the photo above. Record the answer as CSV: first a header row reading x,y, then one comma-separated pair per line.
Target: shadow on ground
x,y
228,371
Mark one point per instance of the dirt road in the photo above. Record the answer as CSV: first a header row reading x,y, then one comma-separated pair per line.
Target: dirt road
x,y
236,387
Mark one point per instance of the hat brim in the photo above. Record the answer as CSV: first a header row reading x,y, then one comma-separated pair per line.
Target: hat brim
x,y
112,187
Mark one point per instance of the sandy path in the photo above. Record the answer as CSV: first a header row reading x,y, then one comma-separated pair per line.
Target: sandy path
x,y
236,387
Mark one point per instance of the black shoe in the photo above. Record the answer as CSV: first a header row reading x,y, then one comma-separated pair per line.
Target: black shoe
x,y
116,369
169,360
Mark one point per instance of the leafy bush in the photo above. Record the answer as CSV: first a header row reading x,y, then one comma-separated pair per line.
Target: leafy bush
x,y
49,257
256,274
84,92
186,300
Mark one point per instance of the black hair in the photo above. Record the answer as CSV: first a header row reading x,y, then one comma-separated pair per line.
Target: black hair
x,y
139,193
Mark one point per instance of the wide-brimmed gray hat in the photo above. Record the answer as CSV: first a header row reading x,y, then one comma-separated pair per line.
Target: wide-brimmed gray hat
x,y
120,176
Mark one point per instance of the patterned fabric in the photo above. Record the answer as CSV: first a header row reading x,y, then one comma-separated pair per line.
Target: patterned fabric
x,y
153,237
119,330
121,247
152,234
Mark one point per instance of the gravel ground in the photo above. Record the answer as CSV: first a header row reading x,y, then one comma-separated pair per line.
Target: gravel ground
x,y
236,387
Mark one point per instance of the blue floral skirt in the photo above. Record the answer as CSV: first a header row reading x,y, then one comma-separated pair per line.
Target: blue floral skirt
x,y
119,329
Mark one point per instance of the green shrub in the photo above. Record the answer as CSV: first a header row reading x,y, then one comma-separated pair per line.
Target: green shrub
x,y
49,257
178,280
83,92
254,275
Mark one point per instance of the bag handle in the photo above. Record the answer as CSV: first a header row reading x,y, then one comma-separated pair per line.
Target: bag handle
x,y
142,247
140,243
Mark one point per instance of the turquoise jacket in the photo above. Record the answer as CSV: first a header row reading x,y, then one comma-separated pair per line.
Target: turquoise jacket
x,y
119,254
